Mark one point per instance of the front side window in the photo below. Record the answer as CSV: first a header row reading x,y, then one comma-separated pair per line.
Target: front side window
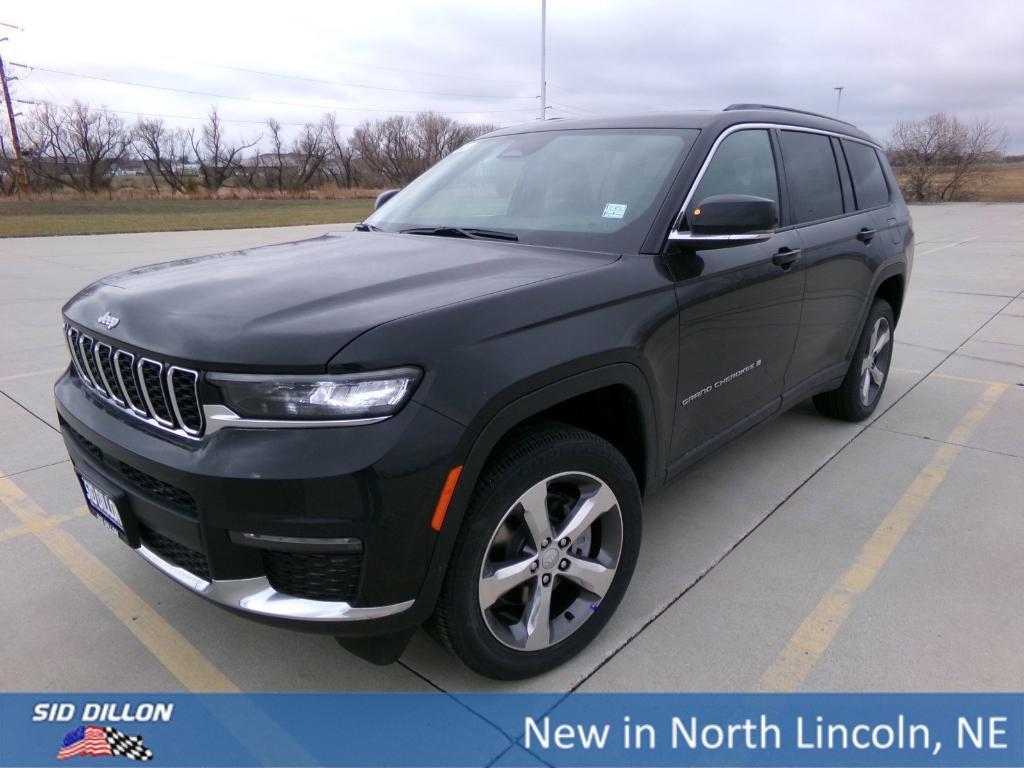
x,y
591,189
868,180
812,176
743,164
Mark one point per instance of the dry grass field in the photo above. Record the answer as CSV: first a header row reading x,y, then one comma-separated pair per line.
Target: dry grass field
x,y
98,216
1004,185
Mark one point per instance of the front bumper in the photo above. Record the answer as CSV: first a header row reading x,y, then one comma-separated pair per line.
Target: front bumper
x,y
185,502
257,596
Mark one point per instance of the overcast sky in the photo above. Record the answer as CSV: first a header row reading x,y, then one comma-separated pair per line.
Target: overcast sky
x,y
480,60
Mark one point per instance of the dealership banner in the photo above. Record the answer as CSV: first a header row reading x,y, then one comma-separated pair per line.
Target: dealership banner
x,y
435,729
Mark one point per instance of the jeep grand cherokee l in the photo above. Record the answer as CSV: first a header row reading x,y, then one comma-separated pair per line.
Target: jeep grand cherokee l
x,y
451,415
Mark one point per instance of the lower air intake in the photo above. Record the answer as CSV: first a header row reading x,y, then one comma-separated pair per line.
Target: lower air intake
x,y
314,575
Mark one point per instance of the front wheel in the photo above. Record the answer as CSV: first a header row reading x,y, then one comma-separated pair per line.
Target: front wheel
x,y
545,554
857,397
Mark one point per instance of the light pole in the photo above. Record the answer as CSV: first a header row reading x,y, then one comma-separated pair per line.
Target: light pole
x,y
543,79
839,97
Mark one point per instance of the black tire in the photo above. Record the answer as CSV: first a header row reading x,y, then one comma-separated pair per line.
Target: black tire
x,y
847,402
532,455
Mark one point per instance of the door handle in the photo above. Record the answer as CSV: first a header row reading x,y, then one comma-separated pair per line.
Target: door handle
x,y
786,257
866,234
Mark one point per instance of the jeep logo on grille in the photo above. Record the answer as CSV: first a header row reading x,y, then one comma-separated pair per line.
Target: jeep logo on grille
x,y
108,320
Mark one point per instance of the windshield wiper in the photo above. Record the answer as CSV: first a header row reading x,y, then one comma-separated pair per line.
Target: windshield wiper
x,y
364,227
473,234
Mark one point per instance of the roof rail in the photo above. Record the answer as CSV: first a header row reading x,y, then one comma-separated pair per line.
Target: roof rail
x,y
735,107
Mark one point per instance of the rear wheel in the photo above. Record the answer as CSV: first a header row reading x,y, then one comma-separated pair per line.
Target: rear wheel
x,y
545,554
857,397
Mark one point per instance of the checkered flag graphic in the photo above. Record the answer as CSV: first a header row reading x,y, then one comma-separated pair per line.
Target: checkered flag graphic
x,y
123,745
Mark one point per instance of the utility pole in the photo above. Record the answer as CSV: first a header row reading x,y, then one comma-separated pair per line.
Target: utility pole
x,y
543,45
22,177
839,97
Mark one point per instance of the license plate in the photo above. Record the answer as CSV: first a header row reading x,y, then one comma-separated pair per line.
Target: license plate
x,y
102,504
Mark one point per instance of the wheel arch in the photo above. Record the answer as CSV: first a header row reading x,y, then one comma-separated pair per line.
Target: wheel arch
x,y
617,383
892,289
890,283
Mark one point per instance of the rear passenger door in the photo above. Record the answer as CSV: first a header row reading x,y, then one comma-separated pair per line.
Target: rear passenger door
x,y
841,249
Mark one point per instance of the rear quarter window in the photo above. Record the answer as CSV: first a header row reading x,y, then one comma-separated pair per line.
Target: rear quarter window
x,y
866,172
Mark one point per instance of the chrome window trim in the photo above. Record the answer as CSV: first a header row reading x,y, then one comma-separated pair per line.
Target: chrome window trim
x,y
255,595
169,384
114,393
145,391
750,237
677,234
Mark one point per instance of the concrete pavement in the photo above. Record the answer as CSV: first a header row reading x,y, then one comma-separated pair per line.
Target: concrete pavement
x,y
810,554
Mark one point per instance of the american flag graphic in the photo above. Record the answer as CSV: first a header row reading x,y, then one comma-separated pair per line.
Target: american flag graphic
x,y
94,741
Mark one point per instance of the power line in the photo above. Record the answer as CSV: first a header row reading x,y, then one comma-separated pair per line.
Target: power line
x,y
420,72
265,73
37,102
567,90
208,94
569,107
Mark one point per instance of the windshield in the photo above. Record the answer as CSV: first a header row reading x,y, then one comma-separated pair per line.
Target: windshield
x,y
588,189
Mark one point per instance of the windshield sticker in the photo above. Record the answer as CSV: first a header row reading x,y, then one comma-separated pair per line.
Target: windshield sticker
x,y
614,211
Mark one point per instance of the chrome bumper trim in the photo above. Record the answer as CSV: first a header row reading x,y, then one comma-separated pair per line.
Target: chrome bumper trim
x,y
255,595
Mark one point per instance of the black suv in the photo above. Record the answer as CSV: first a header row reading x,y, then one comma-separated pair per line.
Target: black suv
x,y
451,415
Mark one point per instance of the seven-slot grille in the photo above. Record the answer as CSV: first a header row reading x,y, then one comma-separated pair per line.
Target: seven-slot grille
x,y
163,395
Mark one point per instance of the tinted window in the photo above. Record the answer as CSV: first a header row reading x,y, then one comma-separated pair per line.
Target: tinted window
x,y
868,180
742,165
596,189
844,177
812,177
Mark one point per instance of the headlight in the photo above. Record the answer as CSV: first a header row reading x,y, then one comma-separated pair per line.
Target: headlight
x,y
319,397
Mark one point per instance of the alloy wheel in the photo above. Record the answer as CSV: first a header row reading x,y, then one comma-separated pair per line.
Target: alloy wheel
x,y
875,365
551,560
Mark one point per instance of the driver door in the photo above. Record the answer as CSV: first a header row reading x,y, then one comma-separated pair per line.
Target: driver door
x,y
739,307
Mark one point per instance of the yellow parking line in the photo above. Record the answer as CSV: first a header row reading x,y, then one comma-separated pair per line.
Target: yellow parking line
x,y
177,654
949,245
947,376
818,630
17,376
34,526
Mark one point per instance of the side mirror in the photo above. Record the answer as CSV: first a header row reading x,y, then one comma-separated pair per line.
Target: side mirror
x,y
729,220
383,197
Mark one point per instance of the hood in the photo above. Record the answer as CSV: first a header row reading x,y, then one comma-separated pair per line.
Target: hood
x,y
293,306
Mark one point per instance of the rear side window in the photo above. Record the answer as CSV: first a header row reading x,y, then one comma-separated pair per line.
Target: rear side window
x,y
743,165
812,176
866,172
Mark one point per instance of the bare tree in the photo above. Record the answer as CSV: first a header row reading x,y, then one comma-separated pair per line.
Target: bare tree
x,y
438,136
8,179
218,158
75,146
164,151
273,161
400,148
309,153
342,159
388,147
942,158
